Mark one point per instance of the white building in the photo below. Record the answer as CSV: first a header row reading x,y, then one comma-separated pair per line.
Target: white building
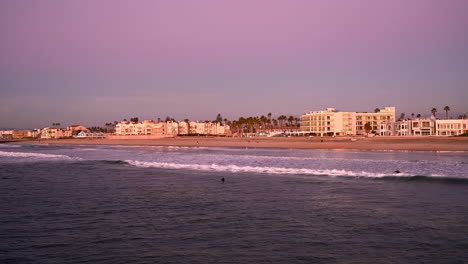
x,y
333,123
451,127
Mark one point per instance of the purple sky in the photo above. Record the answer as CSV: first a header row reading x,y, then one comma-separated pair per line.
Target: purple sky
x,y
92,62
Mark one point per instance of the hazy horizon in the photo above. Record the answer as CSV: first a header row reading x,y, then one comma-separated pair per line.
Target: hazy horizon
x,y
91,62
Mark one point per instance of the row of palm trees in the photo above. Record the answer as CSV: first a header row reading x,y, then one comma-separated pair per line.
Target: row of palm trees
x,y
433,112
256,124
263,123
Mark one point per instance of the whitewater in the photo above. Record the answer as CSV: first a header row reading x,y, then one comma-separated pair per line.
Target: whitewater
x,y
262,161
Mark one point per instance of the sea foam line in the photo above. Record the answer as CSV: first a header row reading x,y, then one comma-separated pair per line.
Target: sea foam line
x,y
268,170
32,155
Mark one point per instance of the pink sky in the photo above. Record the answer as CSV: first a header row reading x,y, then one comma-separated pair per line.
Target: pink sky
x,y
200,47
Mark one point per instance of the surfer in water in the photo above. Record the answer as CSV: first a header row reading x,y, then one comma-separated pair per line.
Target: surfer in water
x,y
222,180
397,171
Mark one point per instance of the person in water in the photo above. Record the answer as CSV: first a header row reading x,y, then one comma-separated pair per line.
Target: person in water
x,y
222,179
397,171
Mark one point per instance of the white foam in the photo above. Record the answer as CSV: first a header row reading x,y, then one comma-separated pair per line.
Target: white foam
x,y
267,170
9,146
32,155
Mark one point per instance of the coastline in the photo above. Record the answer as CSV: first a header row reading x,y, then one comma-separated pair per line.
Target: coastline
x,y
338,143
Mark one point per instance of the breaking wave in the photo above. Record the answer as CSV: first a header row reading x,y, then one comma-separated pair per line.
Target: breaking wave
x,y
32,155
267,170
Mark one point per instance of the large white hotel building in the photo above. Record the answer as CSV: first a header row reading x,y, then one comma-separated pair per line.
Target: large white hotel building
x,y
333,123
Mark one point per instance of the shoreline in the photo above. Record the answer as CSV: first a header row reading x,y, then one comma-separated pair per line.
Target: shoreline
x,y
339,143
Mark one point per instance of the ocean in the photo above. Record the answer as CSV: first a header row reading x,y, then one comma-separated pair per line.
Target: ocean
x,y
130,204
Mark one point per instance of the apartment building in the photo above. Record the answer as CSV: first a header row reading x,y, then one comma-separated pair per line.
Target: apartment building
x,y
333,123
147,127
451,127
52,133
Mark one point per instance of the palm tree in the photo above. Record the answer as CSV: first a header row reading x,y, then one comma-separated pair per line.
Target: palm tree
x,y
282,118
240,124
290,119
402,116
434,111
418,115
186,120
264,121
376,110
412,115
446,109
269,119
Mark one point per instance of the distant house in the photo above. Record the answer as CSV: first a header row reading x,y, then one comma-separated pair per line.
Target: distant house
x,y
53,133
84,134
73,130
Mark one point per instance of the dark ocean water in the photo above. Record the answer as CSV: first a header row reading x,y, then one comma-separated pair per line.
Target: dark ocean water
x,y
82,204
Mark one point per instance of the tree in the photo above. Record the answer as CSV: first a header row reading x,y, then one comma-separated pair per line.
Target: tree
x,y
290,119
368,127
402,116
418,115
376,110
412,115
446,109
269,119
281,120
462,116
134,119
434,111
275,122
263,121
186,120
219,119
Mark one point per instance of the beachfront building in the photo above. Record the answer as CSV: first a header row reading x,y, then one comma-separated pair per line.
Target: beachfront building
x,y
451,127
425,127
183,128
19,134
147,127
52,133
84,134
387,128
422,127
74,130
333,123
402,128
172,128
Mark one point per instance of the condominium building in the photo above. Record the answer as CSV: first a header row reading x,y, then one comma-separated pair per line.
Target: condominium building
x,y
147,127
451,127
151,128
52,133
331,122
425,127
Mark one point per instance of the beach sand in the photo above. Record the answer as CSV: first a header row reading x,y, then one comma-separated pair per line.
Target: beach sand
x,y
377,143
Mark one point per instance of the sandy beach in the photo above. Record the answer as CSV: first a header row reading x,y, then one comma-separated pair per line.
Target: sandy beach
x,y
377,143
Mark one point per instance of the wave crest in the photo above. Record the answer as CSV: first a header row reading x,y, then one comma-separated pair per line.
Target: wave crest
x,y
268,170
32,155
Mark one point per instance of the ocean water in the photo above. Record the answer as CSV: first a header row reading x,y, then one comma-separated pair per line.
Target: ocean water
x,y
124,204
